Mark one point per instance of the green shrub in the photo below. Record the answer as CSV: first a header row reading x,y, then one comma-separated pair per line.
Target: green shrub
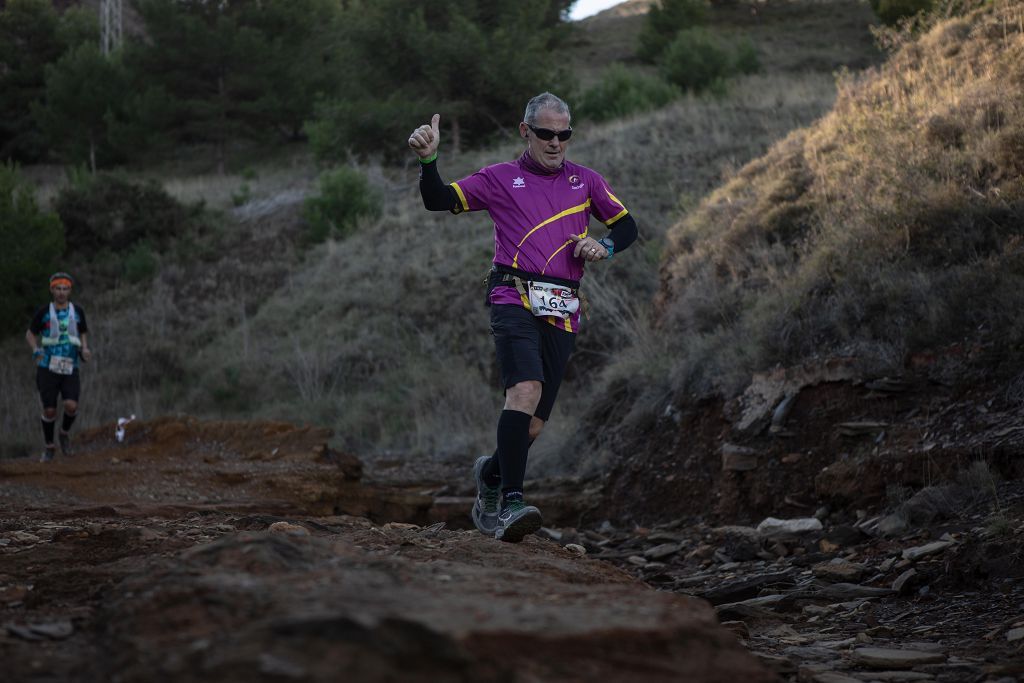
x,y
242,196
664,21
140,263
696,60
354,125
891,11
344,198
746,59
31,246
109,211
621,92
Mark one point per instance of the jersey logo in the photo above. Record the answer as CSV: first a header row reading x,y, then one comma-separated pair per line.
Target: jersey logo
x,y
575,181
518,182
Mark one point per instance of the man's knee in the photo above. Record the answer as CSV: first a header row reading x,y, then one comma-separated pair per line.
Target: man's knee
x,y
523,396
50,413
536,425
70,407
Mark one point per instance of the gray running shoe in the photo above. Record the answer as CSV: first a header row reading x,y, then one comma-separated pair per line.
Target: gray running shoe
x,y
47,455
65,443
485,507
516,521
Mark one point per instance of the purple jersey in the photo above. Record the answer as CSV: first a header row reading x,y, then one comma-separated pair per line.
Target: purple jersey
x,y
534,216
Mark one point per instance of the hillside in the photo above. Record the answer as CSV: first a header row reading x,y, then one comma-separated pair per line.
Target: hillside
x,y
866,270
221,329
797,459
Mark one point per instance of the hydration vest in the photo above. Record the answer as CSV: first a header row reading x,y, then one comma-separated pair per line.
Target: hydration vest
x,y
52,332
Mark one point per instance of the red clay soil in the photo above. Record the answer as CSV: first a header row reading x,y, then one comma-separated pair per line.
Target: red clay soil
x,y
212,551
921,434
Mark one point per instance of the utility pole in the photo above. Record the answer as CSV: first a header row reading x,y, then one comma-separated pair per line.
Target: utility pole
x,y
110,25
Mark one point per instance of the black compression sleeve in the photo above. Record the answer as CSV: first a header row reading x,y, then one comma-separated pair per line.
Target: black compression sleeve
x,y
436,195
623,232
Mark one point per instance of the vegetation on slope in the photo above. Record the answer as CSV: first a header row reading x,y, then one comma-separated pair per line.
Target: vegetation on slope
x,y
891,226
350,334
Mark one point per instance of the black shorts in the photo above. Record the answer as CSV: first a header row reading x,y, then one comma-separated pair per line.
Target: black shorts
x,y
50,384
530,348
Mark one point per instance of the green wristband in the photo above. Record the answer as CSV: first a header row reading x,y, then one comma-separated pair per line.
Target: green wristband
x,y
432,157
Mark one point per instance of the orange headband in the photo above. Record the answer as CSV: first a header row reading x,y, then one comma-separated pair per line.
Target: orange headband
x,y
61,281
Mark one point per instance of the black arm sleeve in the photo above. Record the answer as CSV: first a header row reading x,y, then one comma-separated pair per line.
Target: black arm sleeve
x,y
623,232
436,195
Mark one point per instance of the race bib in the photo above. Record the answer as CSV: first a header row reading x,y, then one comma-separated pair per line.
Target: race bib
x,y
549,299
61,365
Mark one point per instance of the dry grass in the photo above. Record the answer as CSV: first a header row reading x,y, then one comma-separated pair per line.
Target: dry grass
x,y
353,335
890,225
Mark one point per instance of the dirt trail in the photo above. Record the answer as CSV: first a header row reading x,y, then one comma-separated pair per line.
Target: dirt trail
x,y
213,551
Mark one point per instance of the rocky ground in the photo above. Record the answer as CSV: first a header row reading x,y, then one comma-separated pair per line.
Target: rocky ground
x,y
213,551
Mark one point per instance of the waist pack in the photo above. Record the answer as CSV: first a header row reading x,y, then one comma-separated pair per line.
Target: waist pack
x,y
538,289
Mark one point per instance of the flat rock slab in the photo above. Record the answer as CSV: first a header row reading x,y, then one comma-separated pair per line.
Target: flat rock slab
x,y
925,550
839,569
833,677
883,658
771,527
404,603
899,676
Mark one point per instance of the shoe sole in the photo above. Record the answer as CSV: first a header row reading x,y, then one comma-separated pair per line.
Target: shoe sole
x,y
521,528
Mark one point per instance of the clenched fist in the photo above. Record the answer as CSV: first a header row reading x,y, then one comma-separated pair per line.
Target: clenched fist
x,y
424,140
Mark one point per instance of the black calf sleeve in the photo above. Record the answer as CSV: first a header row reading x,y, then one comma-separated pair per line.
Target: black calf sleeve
x,y
48,429
69,419
492,468
513,447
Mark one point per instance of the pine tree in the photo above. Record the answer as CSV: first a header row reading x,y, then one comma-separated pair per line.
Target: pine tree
x,y
84,89
28,42
31,244
474,61
228,70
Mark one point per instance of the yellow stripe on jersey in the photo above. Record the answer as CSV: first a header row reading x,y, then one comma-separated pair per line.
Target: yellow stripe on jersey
x,y
620,214
462,197
545,268
568,212
616,217
614,198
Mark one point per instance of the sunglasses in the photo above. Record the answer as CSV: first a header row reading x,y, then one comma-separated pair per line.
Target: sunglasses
x,y
546,134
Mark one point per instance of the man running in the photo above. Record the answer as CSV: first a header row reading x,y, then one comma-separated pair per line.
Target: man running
x,y
57,335
541,206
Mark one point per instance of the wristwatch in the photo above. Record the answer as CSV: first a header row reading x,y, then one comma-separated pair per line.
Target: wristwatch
x,y
607,243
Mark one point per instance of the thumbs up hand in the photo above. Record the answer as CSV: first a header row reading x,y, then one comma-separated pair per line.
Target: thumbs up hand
x,y
424,140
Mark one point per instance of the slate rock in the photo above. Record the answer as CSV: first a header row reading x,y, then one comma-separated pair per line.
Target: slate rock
x,y
903,582
839,569
771,527
918,552
885,658
833,677
662,551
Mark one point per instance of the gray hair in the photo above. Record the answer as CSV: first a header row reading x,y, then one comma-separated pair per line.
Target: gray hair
x,y
545,100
